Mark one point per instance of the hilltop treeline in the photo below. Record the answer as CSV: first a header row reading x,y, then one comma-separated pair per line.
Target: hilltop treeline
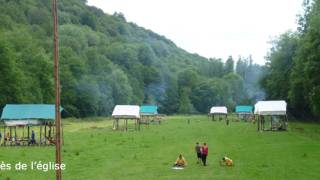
x,y
293,67
104,61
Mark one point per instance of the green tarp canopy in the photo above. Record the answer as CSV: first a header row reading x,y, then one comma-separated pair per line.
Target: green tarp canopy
x,y
29,111
244,109
149,110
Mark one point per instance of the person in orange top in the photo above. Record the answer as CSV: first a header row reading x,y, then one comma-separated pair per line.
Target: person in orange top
x,y
226,161
180,162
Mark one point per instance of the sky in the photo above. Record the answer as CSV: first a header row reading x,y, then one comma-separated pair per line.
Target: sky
x,y
212,28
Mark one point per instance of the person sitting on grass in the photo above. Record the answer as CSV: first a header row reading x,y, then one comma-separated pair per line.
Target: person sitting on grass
x,y
226,161
51,141
180,162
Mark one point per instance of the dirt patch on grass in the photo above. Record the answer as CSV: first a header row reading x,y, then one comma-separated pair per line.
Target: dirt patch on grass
x,y
299,129
96,127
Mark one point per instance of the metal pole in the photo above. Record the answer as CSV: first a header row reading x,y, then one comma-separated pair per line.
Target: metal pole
x,y
57,88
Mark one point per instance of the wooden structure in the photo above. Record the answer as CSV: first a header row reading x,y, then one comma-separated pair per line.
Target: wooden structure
x,y
219,111
19,120
271,115
20,135
57,88
244,112
149,113
125,113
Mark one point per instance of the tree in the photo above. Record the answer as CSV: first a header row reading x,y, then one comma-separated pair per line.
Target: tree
x,y
216,67
187,78
279,63
293,65
236,87
121,89
89,20
185,105
88,97
241,67
208,93
229,65
104,61
146,55
10,77
170,104
305,79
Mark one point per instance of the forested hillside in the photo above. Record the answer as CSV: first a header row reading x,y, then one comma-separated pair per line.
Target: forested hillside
x,y
107,61
293,68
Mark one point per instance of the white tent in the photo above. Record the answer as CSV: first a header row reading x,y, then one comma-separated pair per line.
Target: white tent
x,y
218,110
126,112
22,122
270,108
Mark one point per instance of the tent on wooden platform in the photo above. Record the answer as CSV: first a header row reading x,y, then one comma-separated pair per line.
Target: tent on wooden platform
x,y
244,112
18,118
126,112
219,111
149,113
273,111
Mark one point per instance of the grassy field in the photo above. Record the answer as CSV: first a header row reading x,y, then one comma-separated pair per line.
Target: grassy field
x,y
92,150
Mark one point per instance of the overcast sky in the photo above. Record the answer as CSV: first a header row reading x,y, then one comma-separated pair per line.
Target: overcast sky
x,y
212,28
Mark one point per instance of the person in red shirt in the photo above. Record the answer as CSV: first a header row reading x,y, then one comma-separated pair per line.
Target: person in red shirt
x,y
204,152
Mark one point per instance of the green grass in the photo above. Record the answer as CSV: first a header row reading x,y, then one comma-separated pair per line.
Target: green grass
x,y
93,151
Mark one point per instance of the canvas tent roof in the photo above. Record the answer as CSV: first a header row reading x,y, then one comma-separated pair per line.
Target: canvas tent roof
x,y
28,111
28,114
126,111
218,110
22,122
244,109
270,108
149,110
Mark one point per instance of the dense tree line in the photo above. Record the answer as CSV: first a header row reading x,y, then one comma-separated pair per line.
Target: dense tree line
x,y
107,61
293,65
